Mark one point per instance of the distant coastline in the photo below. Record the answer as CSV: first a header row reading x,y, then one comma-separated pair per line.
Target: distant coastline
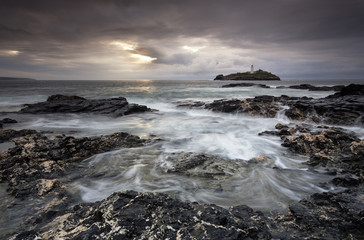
x,y
16,79
259,75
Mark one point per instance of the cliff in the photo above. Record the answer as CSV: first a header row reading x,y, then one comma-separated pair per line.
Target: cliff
x,y
257,75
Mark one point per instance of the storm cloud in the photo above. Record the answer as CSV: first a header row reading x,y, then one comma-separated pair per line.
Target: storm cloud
x,y
157,39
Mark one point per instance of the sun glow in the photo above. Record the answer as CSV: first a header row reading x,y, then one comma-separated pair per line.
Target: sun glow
x,y
123,45
9,52
143,58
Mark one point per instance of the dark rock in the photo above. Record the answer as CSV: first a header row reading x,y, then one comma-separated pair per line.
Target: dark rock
x,y
315,88
8,120
190,104
33,166
203,165
269,133
352,89
8,134
238,85
326,216
346,181
36,157
328,147
132,215
59,97
339,109
219,77
266,106
74,104
244,85
345,110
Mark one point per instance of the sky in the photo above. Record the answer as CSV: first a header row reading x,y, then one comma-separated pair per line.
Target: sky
x,y
170,39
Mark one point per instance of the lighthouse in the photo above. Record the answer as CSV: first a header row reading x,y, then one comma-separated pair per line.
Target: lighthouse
x,y
251,69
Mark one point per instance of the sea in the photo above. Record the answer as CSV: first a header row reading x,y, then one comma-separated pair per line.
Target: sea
x,y
233,137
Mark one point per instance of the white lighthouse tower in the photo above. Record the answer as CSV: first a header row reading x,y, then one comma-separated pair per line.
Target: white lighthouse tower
x,y
252,69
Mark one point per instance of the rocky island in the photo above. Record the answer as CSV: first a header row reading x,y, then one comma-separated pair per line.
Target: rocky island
x,y
252,75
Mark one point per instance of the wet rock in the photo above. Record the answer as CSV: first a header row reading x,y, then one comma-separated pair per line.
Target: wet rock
x,y
352,89
238,85
132,215
203,165
269,133
266,106
8,134
333,143
262,160
345,181
325,216
328,147
6,121
190,104
343,108
244,85
59,97
37,157
74,104
315,88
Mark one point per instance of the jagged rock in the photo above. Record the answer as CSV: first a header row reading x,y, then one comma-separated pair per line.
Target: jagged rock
x,y
266,106
8,134
324,216
203,165
345,110
32,168
352,89
74,104
132,215
342,109
332,143
328,147
36,157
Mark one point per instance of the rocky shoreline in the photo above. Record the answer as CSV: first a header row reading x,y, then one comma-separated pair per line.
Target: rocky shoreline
x,y
342,108
33,168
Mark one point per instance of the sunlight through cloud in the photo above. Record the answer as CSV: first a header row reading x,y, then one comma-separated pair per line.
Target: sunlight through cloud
x,y
124,46
143,58
9,52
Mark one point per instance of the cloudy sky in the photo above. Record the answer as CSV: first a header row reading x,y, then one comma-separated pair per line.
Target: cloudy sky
x,y
170,39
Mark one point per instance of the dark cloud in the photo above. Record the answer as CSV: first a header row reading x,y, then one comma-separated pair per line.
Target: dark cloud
x,y
332,30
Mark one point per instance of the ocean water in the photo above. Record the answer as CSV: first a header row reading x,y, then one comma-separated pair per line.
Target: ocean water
x,y
233,137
